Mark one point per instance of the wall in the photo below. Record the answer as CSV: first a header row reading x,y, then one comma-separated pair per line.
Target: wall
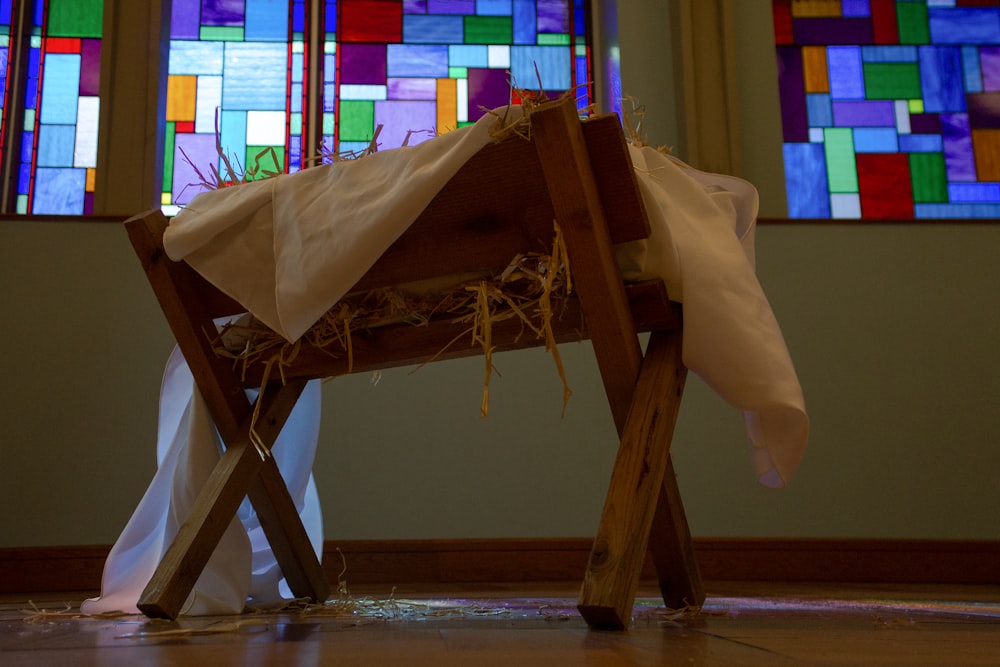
x,y
893,329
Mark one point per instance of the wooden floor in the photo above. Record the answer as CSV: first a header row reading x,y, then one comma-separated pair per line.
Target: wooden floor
x,y
741,624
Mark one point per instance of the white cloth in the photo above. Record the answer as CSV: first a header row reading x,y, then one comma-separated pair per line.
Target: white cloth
x,y
289,247
702,247
242,568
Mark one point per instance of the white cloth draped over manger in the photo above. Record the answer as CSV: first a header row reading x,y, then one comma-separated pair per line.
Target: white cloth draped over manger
x,y
289,247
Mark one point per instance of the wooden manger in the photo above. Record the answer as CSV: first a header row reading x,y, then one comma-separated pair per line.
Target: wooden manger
x,y
501,203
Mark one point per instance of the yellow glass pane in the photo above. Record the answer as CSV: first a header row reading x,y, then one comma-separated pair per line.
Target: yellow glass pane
x,y
181,96
447,105
816,8
814,65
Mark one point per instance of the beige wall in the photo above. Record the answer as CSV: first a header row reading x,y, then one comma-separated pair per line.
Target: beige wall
x,y
894,331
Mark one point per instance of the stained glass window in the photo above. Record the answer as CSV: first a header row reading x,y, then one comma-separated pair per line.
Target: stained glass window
x,y
50,130
890,108
407,69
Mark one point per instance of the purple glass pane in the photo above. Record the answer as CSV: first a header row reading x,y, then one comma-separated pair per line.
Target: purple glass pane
x,y
451,6
984,110
200,150
401,117
553,16
832,31
925,123
792,87
90,67
222,12
959,159
989,63
184,19
412,89
877,113
362,63
414,6
487,88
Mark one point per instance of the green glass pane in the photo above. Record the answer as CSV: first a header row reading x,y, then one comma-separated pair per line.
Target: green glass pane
x,y
168,156
892,81
928,175
548,39
264,161
357,120
840,166
489,30
458,72
221,34
911,18
75,18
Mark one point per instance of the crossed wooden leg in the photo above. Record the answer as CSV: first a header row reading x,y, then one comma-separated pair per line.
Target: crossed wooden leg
x,y
240,471
643,501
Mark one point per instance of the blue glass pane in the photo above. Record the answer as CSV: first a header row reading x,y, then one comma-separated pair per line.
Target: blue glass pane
x,y
55,145
847,80
805,178
255,75
965,25
266,20
875,140
189,57
941,77
553,65
59,191
417,60
61,89
524,22
419,29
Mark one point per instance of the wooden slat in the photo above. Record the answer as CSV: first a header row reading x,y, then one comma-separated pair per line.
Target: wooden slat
x,y
572,186
404,344
178,289
290,543
677,571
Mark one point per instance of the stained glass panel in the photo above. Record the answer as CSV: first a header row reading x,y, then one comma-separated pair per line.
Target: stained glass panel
x,y
421,67
890,107
61,105
413,67
235,70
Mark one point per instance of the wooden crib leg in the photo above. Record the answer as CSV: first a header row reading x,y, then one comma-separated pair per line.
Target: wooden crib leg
x,y
612,576
240,470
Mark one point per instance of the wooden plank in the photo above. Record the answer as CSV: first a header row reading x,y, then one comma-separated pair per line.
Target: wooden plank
x,y
404,344
178,290
288,538
579,212
612,576
609,589
497,206
677,570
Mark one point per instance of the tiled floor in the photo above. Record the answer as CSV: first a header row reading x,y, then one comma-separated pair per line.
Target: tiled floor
x,y
741,624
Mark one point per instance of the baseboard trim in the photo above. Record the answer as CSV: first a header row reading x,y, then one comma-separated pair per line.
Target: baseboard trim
x,y
79,568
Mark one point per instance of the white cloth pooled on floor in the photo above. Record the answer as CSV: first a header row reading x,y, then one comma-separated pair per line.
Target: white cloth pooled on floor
x,y
242,568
